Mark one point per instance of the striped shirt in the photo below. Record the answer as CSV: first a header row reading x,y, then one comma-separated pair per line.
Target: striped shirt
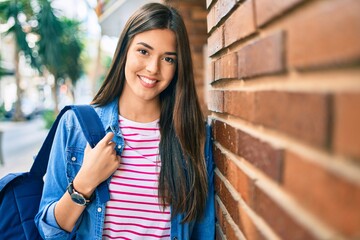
x,y
134,210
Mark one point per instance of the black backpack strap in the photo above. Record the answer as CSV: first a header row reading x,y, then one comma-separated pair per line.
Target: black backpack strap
x,y
92,128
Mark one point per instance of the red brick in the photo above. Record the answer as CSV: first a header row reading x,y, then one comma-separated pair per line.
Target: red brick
x,y
225,135
222,8
268,10
240,24
226,67
328,195
243,183
260,154
212,71
240,104
222,218
263,56
278,219
211,19
325,33
217,69
215,41
220,161
237,214
347,124
304,116
227,199
216,101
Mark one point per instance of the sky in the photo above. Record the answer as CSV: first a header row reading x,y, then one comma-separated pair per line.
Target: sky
x,y
82,10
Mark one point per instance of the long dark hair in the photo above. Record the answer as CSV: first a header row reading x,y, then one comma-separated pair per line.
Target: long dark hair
x,y
183,178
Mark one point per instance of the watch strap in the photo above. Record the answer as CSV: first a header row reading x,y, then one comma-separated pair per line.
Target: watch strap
x,y
71,190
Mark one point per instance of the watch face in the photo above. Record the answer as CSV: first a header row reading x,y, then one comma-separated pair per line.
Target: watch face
x,y
77,198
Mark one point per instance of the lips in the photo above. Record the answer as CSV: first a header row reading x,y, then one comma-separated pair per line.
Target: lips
x,y
147,82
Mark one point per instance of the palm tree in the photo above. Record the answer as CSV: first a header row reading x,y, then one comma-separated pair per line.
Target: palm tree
x,y
72,43
60,47
50,30
18,12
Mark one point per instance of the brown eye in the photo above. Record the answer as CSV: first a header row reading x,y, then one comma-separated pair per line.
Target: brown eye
x,y
143,52
169,60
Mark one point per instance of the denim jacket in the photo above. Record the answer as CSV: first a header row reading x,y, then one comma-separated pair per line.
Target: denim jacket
x,y
64,163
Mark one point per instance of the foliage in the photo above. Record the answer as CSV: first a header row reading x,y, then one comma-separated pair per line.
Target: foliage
x,y
50,31
2,112
19,11
49,117
72,66
59,47
106,63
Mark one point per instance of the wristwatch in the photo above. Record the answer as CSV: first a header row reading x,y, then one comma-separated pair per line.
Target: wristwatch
x,y
77,197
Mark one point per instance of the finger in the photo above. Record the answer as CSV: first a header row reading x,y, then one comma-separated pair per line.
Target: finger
x,y
87,148
116,159
108,137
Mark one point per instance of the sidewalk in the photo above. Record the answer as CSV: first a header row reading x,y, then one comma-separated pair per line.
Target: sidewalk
x,y
20,142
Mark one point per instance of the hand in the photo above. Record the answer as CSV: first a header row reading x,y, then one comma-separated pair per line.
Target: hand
x,y
98,165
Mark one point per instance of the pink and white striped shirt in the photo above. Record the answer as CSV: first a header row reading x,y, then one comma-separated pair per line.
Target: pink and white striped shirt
x,y
134,210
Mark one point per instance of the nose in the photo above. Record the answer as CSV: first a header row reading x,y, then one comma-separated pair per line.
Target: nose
x,y
153,65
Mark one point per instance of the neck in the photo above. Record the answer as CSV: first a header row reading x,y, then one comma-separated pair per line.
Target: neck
x,y
139,111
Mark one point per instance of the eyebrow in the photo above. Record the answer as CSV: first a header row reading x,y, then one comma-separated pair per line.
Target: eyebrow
x,y
151,48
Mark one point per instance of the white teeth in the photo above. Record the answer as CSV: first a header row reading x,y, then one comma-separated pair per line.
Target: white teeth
x,y
148,81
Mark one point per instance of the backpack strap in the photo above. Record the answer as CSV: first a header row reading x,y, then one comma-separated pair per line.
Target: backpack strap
x,y
92,128
94,131
90,123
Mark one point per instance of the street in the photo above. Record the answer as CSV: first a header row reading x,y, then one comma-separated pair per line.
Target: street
x,y
20,142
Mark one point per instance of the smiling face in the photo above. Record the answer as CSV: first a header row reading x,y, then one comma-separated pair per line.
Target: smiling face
x,y
150,65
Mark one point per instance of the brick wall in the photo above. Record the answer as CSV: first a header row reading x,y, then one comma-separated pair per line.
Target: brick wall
x,y
285,111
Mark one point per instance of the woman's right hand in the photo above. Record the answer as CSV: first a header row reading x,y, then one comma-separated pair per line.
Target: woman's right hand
x,y
99,164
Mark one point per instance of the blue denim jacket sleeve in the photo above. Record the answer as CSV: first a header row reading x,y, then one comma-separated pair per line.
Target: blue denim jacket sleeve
x,y
55,184
204,228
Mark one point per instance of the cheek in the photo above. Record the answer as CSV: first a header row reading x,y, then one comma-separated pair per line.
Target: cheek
x,y
131,68
133,63
169,73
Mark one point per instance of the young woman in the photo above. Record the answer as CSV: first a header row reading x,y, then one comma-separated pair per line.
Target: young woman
x,y
156,157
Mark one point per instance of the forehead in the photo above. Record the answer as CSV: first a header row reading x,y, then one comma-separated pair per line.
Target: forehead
x,y
159,39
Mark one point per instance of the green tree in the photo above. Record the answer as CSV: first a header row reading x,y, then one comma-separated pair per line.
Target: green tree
x,y
50,30
60,47
16,13
58,50
72,43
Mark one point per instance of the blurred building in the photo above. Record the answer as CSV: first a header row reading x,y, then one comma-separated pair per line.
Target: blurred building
x,y
113,14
